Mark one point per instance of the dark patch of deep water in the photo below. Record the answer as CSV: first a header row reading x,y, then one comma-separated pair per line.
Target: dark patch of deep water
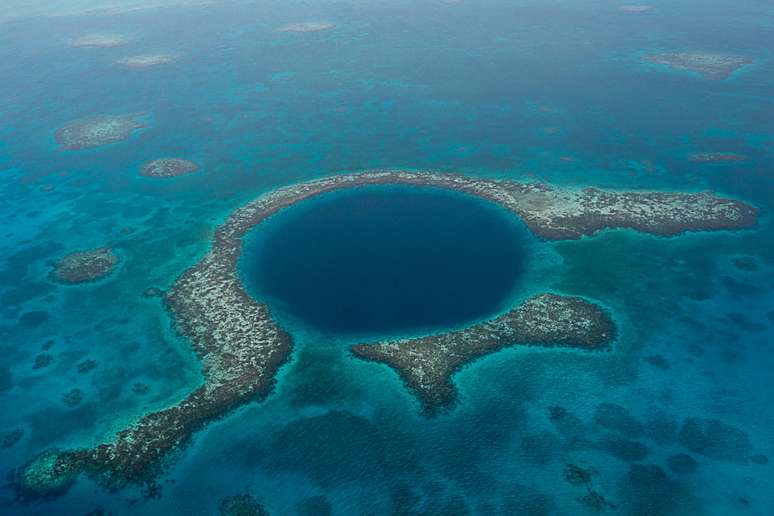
x,y
386,259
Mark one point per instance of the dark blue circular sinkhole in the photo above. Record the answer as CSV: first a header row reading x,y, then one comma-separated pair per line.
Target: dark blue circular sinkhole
x,y
386,259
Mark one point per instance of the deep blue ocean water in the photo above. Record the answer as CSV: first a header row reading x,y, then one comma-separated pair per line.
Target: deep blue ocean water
x,y
492,88
386,260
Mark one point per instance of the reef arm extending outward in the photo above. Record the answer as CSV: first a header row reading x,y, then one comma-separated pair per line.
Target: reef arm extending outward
x,y
426,364
241,347
561,214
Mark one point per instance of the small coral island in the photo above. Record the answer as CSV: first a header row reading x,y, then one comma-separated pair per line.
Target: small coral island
x,y
145,60
241,346
307,27
99,41
168,167
85,266
710,65
96,131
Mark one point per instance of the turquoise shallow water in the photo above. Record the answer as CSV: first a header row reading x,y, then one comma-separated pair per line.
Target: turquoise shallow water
x,y
524,90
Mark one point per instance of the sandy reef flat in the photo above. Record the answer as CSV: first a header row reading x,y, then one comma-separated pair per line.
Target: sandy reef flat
x,y
241,346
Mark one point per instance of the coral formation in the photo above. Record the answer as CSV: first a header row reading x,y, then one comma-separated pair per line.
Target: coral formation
x,y
241,505
145,60
96,131
709,65
140,388
152,292
716,440
10,437
168,167
98,40
307,27
617,418
86,366
746,263
73,397
43,360
623,449
85,266
34,318
577,475
426,364
556,413
646,490
717,157
636,8
46,476
658,361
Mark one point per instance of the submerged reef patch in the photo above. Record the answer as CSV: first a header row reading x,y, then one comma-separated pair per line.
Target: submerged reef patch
x,y
617,418
146,60
716,440
241,347
241,505
314,26
85,266
72,397
99,40
96,131
10,437
168,167
710,65
623,449
85,366
745,263
636,8
34,318
717,157
682,464
647,490
42,361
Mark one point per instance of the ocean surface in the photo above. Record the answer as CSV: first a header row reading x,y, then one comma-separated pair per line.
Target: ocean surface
x,y
551,91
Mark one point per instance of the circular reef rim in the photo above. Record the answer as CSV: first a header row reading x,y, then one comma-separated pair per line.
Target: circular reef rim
x,y
241,347
468,214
